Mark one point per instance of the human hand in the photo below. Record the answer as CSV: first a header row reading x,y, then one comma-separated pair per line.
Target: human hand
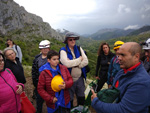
x,y
81,58
55,100
62,86
97,78
19,90
109,86
93,95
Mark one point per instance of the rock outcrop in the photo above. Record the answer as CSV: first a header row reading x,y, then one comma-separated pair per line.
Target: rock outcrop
x,y
16,22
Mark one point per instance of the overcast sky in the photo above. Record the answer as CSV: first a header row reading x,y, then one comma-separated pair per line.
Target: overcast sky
x,y
89,16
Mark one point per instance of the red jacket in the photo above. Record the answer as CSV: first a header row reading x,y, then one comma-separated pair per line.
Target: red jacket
x,y
45,90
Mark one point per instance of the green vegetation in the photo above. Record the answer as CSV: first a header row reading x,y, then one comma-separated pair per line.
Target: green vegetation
x,y
30,48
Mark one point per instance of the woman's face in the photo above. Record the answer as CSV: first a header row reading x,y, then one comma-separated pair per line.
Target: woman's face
x,y
11,55
9,42
1,63
106,49
71,42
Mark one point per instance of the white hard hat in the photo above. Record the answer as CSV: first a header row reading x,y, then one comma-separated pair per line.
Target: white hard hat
x,y
44,44
146,45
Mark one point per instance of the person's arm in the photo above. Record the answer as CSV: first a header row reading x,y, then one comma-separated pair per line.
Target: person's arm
x,y
35,72
67,62
19,86
135,100
69,81
110,72
84,62
98,65
41,88
19,53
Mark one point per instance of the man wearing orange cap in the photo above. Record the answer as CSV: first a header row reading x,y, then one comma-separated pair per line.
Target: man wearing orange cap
x,y
114,66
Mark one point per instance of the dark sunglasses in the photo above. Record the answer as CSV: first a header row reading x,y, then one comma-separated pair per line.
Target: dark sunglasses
x,y
72,39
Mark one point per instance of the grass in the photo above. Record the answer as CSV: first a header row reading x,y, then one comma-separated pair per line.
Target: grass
x,y
27,70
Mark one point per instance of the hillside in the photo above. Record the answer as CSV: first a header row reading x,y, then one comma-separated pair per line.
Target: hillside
x,y
16,22
27,30
140,30
105,34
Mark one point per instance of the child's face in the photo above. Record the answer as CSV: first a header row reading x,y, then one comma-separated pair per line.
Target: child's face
x,y
54,61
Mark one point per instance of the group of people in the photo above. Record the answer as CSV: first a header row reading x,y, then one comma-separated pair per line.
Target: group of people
x,y
12,78
123,70
72,69
130,76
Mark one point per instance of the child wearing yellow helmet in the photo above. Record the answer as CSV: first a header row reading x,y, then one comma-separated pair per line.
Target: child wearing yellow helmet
x,y
53,85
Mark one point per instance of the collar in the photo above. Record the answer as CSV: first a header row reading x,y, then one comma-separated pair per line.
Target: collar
x,y
131,68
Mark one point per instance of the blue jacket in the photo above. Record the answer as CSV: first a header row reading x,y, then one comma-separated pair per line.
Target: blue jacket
x,y
134,89
114,67
77,54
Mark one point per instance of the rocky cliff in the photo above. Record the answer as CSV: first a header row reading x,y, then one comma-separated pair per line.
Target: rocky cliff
x,y
16,22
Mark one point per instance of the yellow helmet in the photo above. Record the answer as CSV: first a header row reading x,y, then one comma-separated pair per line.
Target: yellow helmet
x,y
56,81
118,44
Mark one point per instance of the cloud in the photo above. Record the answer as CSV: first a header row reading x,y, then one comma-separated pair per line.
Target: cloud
x,y
123,9
89,16
145,8
131,27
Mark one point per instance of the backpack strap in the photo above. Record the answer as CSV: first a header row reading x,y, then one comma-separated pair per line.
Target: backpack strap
x,y
79,50
16,48
48,71
7,70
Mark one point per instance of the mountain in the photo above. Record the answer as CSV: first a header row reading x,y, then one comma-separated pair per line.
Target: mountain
x,y
16,22
105,34
140,30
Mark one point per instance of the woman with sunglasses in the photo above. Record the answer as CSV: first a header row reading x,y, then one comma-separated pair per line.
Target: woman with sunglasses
x,y
74,58
10,90
103,61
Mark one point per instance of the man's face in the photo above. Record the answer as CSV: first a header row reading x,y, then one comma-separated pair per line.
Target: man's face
x,y
116,51
44,51
54,61
125,58
147,53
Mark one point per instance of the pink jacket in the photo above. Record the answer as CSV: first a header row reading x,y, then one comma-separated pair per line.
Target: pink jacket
x,y
9,100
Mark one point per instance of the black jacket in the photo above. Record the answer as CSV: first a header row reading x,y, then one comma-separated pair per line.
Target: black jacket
x,y
103,62
17,70
35,71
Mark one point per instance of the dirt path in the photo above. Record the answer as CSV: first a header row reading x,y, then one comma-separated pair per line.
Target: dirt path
x,y
29,92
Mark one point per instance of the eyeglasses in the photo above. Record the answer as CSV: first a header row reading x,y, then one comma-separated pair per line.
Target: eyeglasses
x,y
1,61
72,39
10,54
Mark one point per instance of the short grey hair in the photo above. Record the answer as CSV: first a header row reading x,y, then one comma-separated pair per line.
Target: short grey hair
x,y
6,49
